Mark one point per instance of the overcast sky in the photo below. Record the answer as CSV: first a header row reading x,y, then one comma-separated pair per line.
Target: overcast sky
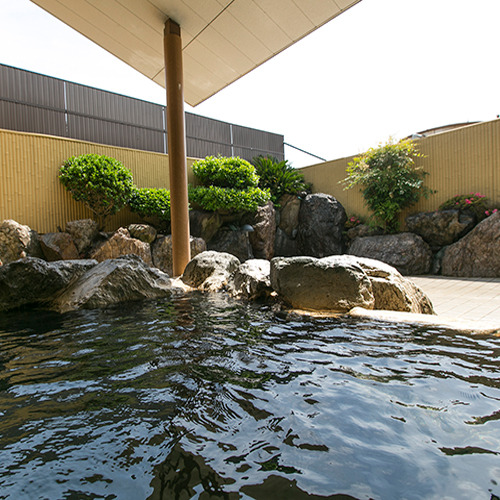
x,y
383,68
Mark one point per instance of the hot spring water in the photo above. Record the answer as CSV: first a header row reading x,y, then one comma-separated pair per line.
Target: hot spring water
x,y
205,397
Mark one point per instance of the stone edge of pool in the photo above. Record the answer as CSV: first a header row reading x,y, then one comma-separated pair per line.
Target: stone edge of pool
x,y
460,326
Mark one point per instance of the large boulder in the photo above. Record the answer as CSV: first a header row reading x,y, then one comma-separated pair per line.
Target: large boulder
x,y
477,254
264,231
284,245
18,241
321,223
235,242
252,280
392,291
335,283
204,224
120,244
83,232
143,232
340,282
407,252
35,281
58,246
210,271
122,279
162,251
442,227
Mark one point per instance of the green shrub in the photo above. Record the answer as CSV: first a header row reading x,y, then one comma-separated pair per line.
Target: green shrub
x,y
476,203
219,199
279,177
151,202
101,182
225,172
390,181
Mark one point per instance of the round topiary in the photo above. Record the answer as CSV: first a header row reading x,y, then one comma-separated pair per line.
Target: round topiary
x,y
101,182
225,172
151,202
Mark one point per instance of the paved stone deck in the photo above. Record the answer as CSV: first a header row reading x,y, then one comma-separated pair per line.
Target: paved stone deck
x,y
471,299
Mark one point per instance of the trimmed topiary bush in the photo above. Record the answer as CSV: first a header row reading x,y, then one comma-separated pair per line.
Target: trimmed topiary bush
x,y
225,172
151,202
228,200
101,182
279,177
227,185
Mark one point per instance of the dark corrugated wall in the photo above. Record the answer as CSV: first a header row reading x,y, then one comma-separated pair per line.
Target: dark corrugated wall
x,y
30,102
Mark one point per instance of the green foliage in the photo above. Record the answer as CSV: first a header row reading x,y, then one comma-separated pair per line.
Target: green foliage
x,y
225,172
389,179
476,203
228,185
279,177
150,202
219,199
101,182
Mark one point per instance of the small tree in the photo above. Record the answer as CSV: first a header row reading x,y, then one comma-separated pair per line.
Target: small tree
x,y
101,182
390,181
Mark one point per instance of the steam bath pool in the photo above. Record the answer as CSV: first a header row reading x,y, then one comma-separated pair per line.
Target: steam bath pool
x,y
205,397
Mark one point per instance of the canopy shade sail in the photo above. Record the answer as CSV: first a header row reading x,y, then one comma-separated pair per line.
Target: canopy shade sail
x,y
222,40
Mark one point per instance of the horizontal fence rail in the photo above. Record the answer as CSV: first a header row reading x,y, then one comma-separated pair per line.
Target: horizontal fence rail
x,y
30,102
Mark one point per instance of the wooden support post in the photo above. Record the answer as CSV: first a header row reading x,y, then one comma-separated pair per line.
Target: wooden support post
x,y
181,252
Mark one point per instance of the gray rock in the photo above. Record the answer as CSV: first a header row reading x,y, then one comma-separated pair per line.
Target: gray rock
x,y
289,214
210,270
143,232
113,281
162,251
34,281
264,230
83,232
18,241
407,252
321,223
442,227
251,280
285,246
362,230
477,254
120,244
203,224
392,291
58,246
236,243
335,283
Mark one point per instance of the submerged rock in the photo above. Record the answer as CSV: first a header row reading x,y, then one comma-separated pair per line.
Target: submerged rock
x,y
210,271
35,281
477,254
407,252
113,281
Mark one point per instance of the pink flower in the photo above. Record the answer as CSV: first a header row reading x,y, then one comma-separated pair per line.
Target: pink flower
x,y
487,213
495,211
468,201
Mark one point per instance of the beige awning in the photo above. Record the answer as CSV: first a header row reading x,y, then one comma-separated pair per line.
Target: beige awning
x,y
222,40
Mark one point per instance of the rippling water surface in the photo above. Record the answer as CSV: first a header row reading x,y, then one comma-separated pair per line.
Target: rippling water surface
x,y
205,397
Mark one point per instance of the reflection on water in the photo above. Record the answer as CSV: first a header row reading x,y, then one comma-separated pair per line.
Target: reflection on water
x,y
204,397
